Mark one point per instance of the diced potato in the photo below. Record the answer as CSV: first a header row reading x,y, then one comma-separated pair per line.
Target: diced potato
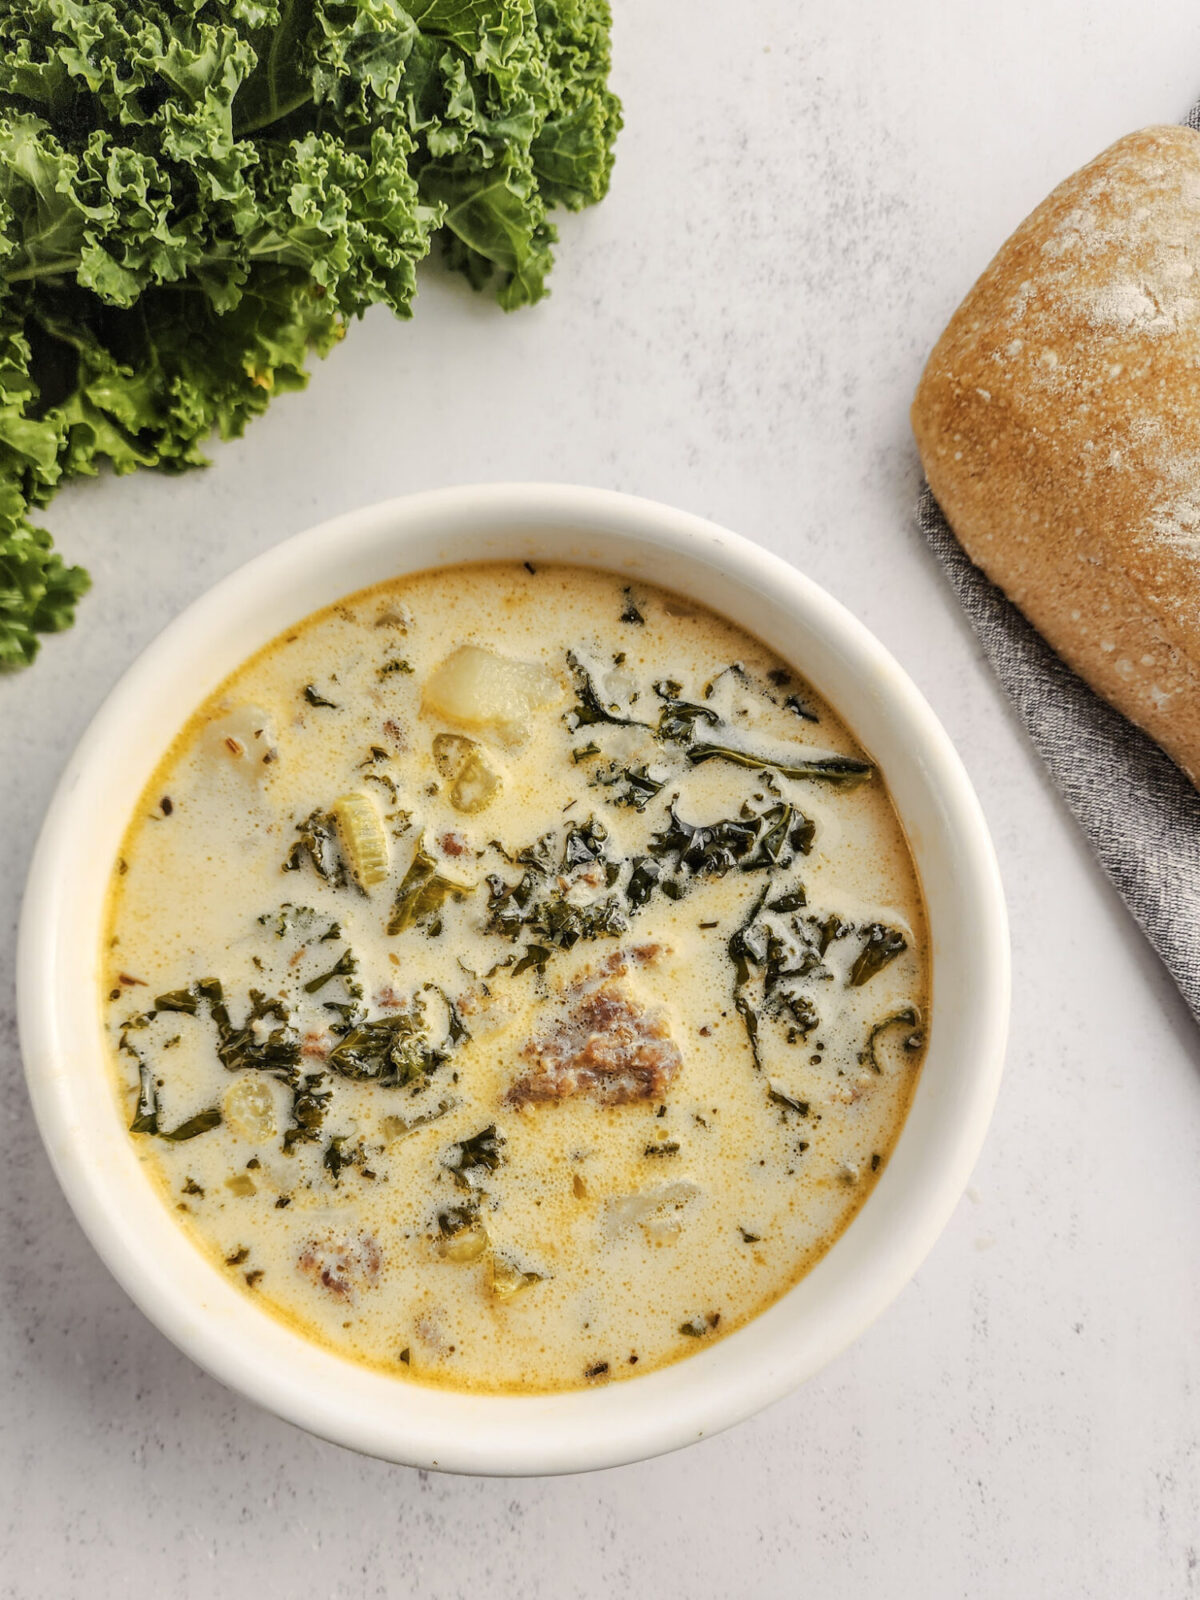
x,y
507,1280
249,1110
363,838
477,688
476,782
243,741
662,1228
658,1212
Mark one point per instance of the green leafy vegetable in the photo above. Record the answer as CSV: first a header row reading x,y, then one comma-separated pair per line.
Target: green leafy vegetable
x,y
678,719
146,1114
801,1012
303,920
584,843
391,1051
456,1028
747,950
315,698
678,856
778,966
785,833
907,1016
536,907
536,958
318,844
800,708
463,1239
344,967
705,850
883,945
145,1117
844,771
644,877
337,1158
421,896
589,709
202,1122
821,934
697,1327
628,786
309,1102
482,1152
535,904
246,1047
780,1097
751,840
184,1000
197,195
794,900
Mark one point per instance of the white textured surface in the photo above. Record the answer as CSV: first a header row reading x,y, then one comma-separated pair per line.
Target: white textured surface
x,y
802,195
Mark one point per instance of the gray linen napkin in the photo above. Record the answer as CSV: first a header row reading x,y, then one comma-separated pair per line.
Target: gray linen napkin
x,y
1140,813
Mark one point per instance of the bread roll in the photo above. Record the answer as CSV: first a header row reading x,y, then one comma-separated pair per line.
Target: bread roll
x,y
1058,422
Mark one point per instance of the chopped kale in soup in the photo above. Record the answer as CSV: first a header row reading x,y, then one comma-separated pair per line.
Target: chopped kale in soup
x,y
516,979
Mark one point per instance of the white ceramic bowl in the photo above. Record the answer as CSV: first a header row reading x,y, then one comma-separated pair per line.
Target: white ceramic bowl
x,y
193,1304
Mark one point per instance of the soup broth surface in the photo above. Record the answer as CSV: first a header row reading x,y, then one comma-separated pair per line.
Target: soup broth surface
x,y
515,979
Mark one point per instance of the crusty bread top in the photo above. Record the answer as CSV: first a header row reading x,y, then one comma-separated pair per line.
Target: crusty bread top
x,y
1058,422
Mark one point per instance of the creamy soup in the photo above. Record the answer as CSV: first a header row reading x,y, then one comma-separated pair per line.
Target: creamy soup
x,y
516,979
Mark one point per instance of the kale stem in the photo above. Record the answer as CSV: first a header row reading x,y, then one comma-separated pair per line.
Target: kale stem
x,y
66,266
739,956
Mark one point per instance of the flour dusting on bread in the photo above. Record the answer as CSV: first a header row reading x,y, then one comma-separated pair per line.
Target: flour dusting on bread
x,y
1058,421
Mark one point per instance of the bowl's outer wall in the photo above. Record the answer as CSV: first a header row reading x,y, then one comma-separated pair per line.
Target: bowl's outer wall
x,y
65,1053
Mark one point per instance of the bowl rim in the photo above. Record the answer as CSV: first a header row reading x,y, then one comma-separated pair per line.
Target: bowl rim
x,y
582,1429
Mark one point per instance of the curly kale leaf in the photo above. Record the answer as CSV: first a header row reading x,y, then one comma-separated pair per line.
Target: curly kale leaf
x,y
197,195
